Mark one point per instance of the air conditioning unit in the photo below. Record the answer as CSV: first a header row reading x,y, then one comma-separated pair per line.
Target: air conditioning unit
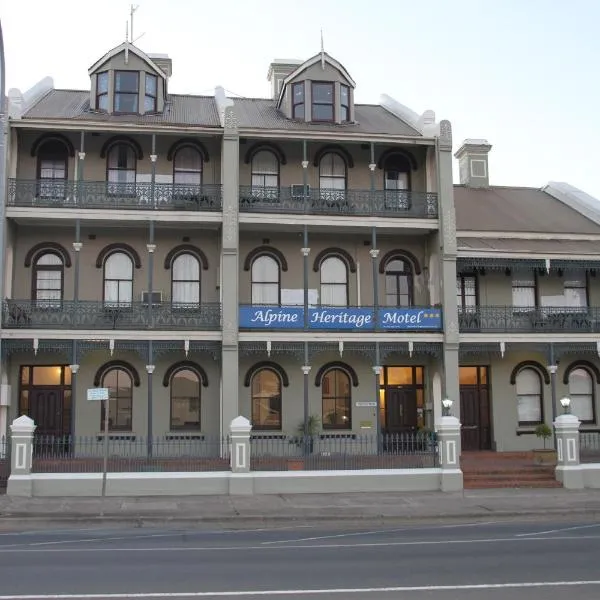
x,y
156,297
297,190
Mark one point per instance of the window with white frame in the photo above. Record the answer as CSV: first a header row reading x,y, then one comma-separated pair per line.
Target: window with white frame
x,y
265,174
48,273
187,167
529,396
575,286
265,280
581,392
185,281
334,282
118,279
523,291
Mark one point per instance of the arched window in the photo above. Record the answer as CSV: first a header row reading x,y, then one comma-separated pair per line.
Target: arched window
x,y
334,282
336,400
529,396
121,169
187,166
266,281
265,172
52,163
185,400
120,400
266,400
332,176
396,176
185,280
118,279
581,392
48,278
398,283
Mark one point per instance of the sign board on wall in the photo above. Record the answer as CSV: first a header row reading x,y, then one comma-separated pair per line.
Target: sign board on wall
x,y
350,319
97,394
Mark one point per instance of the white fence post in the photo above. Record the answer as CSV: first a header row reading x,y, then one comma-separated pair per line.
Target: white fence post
x,y
21,432
239,432
568,470
448,433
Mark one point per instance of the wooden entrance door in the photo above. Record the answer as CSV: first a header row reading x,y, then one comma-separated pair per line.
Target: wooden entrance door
x,y
401,410
475,413
46,408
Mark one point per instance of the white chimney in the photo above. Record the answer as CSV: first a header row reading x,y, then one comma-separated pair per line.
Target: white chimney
x,y
473,163
279,69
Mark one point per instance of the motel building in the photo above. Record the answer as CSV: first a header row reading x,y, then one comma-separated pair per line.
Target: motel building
x,y
282,258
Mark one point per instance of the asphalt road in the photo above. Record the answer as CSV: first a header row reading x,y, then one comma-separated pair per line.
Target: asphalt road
x,y
469,561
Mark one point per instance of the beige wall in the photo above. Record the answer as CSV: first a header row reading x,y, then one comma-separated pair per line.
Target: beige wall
x,y
91,277
358,177
354,245
95,166
87,414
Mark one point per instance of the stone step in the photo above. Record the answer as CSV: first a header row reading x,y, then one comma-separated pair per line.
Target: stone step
x,y
497,469
531,475
482,484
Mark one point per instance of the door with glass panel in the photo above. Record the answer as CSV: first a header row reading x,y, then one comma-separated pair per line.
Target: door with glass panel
x,y
475,410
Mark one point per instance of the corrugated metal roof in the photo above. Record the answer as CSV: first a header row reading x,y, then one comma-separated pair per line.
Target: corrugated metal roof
x,y
260,113
516,209
548,247
179,110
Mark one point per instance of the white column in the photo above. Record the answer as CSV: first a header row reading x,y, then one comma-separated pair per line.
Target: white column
x,y
448,437
19,482
240,482
568,469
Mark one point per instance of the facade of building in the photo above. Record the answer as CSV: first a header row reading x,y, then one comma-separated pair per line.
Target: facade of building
x,y
285,258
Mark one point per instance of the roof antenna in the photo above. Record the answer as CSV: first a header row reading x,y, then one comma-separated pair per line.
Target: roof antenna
x,y
126,42
131,13
322,52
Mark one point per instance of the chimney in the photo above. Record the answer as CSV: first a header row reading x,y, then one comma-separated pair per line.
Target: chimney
x,y
473,163
279,69
163,62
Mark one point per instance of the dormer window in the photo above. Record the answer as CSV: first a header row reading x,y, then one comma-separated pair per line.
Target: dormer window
x,y
102,91
126,92
151,93
344,103
298,100
322,101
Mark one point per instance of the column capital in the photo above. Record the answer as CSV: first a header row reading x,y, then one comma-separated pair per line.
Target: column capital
x,y
306,369
81,155
150,369
372,166
77,246
154,157
305,164
151,248
74,368
305,251
374,252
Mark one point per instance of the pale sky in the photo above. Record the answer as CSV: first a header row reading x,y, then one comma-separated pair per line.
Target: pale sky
x,y
521,73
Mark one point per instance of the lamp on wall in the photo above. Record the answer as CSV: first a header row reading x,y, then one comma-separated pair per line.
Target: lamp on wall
x,y
566,404
446,406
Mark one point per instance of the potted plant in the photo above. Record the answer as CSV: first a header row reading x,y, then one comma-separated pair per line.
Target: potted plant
x,y
306,442
544,456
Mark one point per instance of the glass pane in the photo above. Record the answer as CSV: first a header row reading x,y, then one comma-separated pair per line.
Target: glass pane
x,y
118,266
523,297
322,93
126,81
191,178
25,375
47,375
529,409
102,83
185,400
266,399
468,375
322,112
265,162
49,259
344,100
333,270
582,406
299,111
126,103
149,104
265,293
528,382
186,267
151,85
265,269
400,376
298,93
188,159
575,297
24,402
580,382
103,102
186,292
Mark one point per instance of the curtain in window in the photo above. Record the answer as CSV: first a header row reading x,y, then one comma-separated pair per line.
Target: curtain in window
x,y
529,397
334,282
266,400
581,392
185,400
118,279
48,273
185,275
265,280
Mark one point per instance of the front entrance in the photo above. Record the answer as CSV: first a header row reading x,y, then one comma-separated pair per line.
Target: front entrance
x,y
45,397
402,399
475,413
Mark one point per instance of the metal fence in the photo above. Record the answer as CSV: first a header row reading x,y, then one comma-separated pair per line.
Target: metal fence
x,y
343,452
66,454
589,447
4,462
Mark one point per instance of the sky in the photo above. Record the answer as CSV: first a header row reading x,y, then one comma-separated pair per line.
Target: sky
x,y
523,74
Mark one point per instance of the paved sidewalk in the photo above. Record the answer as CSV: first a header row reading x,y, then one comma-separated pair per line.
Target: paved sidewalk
x,y
239,510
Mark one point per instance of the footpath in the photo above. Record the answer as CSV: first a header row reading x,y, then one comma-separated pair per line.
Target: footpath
x,y
246,511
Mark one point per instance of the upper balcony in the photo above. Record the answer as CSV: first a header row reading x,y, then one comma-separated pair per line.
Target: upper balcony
x,y
104,195
295,199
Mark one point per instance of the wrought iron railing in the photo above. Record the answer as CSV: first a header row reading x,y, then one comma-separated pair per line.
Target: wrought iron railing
x,y
547,319
59,193
85,314
270,451
130,453
589,446
385,203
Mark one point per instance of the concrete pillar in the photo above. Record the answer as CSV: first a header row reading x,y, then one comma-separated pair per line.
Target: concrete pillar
x,y
230,271
448,436
19,482
240,482
568,469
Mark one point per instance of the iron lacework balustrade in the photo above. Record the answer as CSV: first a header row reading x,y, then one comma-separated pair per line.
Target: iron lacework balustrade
x,y
85,314
360,203
513,319
59,193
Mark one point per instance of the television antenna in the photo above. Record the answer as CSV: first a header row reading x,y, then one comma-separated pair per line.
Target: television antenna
x,y
132,9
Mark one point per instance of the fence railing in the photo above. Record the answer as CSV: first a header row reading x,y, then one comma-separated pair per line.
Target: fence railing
x,y
201,452
84,314
68,454
343,451
293,199
589,446
546,319
59,193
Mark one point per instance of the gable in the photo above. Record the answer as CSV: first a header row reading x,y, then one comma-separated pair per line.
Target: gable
x,y
136,61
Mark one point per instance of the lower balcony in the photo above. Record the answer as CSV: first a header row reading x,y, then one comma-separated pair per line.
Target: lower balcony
x,y
335,318
359,203
84,314
102,195
512,319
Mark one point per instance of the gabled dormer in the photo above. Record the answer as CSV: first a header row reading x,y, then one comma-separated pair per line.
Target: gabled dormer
x,y
128,81
319,90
